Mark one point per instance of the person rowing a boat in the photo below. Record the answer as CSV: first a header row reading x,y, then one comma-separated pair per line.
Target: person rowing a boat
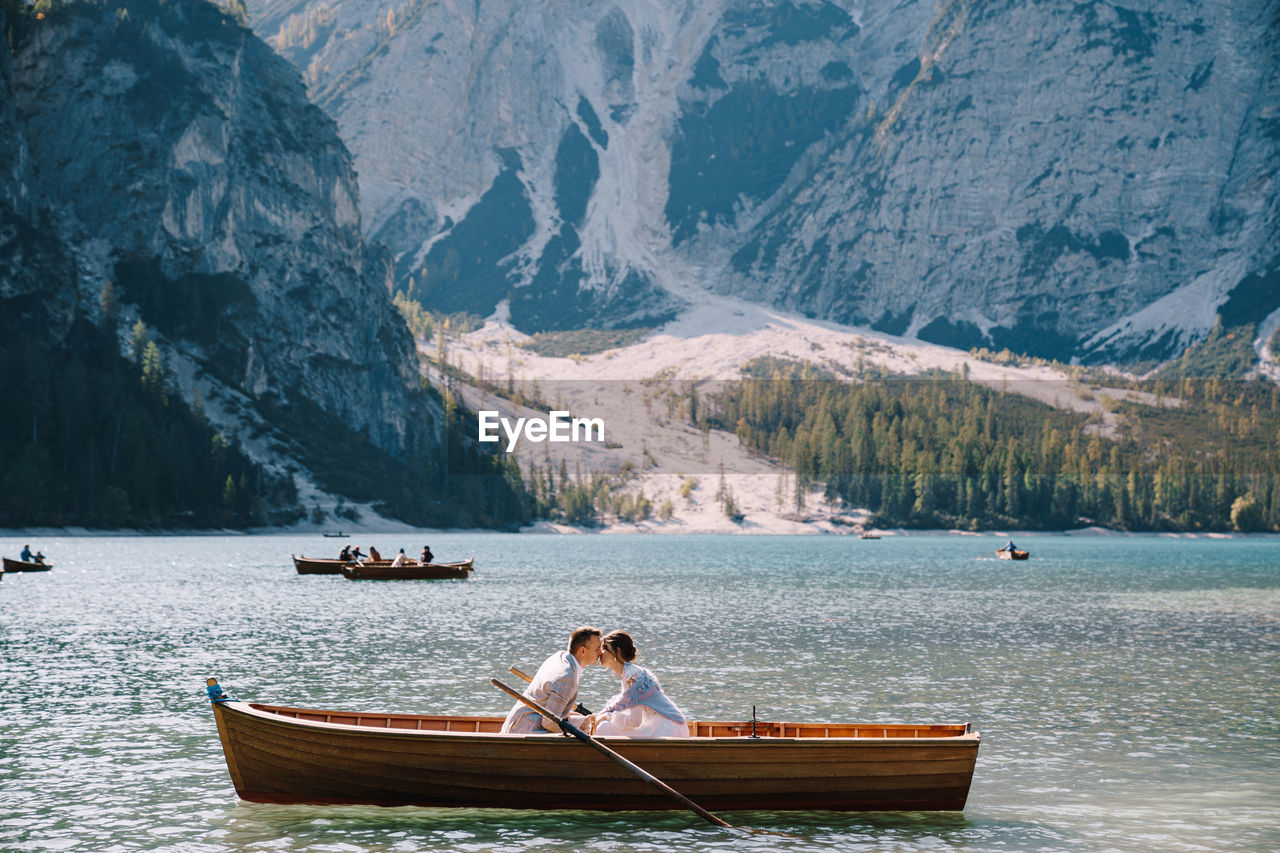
x,y
26,553
555,686
401,559
427,556
640,709
345,554
1009,547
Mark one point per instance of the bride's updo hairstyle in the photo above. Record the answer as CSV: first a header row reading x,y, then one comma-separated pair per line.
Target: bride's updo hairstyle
x,y
620,643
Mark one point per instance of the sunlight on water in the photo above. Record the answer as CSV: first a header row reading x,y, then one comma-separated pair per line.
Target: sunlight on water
x,y
1125,686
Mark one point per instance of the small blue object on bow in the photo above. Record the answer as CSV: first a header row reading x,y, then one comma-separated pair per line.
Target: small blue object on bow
x,y
215,691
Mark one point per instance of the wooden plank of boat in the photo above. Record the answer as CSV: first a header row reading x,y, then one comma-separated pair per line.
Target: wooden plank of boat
x,y
409,571
1013,555
20,566
296,755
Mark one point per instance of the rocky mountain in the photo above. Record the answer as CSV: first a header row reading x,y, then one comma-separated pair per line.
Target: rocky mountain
x,y
160,146
182,149
1090,179
36,271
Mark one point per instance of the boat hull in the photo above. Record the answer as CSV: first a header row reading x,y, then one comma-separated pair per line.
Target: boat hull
x,y
322,566
1013,555
284,755
316,566
19,566
413,571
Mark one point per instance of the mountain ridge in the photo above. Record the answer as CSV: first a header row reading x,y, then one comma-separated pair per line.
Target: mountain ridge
x,y
993,174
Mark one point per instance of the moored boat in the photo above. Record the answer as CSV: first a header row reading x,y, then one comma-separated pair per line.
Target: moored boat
x,y
385,571
1013,555
296,755
20,566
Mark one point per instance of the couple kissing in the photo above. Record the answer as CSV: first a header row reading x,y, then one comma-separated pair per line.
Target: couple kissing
x,y
639,709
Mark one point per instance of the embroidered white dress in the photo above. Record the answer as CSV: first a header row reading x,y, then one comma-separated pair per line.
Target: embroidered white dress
x,y
641,709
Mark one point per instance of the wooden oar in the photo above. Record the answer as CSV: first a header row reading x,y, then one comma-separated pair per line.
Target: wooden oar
x,y
528,679
572,730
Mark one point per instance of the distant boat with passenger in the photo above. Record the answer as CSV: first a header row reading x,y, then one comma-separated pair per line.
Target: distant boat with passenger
x,y
20,566
320,565
383,569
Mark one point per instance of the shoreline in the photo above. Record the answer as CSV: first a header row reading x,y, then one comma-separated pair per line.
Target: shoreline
x,y
545,528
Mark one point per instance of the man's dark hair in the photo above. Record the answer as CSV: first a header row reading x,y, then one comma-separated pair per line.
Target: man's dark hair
x,y
579,637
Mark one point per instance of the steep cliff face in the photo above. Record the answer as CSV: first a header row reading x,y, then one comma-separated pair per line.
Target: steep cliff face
x,y
1093,180
507,145
13,151
1034,173
173,153
37,275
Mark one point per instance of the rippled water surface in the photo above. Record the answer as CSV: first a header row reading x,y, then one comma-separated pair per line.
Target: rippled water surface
x,y
1126,687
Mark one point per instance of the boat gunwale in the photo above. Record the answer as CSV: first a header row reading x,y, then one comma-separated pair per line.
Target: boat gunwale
x,y
273,714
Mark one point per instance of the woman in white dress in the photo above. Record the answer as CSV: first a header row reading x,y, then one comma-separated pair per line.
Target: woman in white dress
x,y
641,709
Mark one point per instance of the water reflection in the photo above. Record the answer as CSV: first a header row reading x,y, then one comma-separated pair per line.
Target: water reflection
x,y
249,825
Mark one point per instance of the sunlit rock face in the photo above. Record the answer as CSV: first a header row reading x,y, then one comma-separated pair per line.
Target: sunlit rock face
x,y
163,148
1087,179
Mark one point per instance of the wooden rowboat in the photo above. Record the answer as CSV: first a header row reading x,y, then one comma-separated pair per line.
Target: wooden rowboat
x,y
1013,555
19,566
322,566
298,755
384,571
317,566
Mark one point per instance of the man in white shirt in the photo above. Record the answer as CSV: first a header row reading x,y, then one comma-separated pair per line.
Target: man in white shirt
x,y
555,686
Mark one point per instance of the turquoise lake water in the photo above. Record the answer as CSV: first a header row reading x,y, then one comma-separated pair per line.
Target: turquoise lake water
x,y
1127,688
